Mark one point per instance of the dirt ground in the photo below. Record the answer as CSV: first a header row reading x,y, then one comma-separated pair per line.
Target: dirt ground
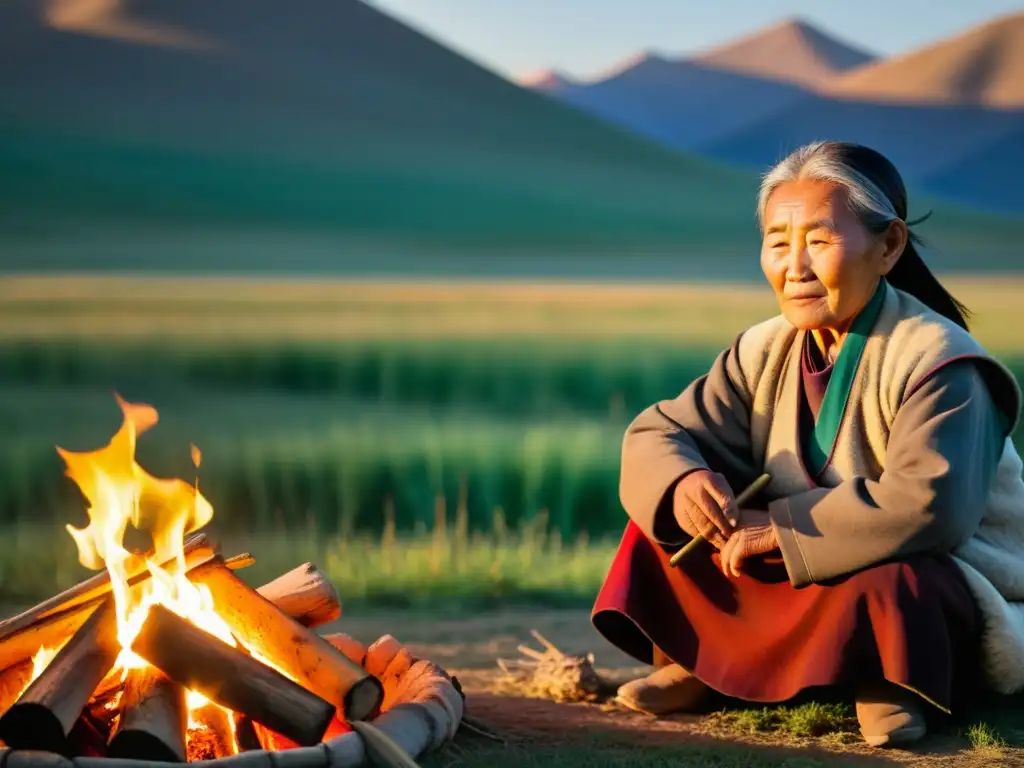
x,y
469,647
525,732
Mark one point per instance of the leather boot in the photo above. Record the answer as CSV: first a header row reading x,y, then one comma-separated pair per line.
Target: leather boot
x,y
669,689
889,716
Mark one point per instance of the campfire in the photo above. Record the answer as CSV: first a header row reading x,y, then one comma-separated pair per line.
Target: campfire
x,y
166,655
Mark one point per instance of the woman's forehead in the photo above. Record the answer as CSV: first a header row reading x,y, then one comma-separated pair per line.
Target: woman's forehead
x,y
808,201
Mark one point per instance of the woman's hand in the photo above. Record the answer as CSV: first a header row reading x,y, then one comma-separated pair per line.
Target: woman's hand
x,y
755,536
704,505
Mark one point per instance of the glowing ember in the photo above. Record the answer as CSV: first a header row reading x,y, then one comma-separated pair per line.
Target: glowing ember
x,y
211,733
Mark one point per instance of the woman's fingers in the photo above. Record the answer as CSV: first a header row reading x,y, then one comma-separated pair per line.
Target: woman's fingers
x,y
739,552
699,518
726,553
719,489
744,544
705,507
712,511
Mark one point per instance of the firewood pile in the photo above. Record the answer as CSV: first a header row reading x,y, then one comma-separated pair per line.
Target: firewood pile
x,y
168,656
312,702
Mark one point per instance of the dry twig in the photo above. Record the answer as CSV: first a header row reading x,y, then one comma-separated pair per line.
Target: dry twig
x,y
551,674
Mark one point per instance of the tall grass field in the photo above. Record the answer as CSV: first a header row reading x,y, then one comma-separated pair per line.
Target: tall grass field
x,y
424,443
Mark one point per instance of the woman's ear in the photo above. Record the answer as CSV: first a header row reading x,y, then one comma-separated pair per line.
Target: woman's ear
x,y
894,240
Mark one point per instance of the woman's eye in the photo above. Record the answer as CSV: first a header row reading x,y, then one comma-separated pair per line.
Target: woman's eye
x,y
778,244
818,242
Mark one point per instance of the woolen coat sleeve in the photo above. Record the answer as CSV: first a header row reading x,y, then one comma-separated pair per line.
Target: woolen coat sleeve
x,y
706,427
941,458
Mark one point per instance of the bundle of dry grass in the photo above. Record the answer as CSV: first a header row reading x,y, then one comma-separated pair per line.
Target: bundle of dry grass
x,y
552,674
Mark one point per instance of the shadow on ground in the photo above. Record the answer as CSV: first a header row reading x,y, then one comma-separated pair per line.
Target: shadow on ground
x,y
546,733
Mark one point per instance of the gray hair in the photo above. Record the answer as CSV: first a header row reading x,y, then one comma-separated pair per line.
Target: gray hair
x,y
826,161
877,196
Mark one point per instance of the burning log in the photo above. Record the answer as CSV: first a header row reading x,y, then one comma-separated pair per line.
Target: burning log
x,y
88,737
45,713
49,623
198,549
153,718
297,651
228,676
245,733
104,711
272,741
20,638
305,594
427,712
13,681
214,737
47,633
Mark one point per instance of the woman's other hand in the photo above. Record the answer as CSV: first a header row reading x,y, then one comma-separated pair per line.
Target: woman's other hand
x,y
704,505
755,536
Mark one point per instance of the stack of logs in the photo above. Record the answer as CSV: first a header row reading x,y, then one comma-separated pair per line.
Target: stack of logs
x,y
81,706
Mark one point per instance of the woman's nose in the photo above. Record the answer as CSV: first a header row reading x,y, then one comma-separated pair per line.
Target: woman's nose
x,y
798,264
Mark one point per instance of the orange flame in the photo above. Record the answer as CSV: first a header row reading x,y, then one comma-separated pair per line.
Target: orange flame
x,y
120,493
42,660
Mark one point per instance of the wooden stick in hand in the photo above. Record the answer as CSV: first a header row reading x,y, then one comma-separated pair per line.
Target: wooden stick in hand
x,y
747,494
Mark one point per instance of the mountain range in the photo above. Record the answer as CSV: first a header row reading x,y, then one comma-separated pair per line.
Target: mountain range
x,y
950,114
325,135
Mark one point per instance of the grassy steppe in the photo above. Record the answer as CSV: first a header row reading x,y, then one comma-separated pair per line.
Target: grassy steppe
x,y
425,443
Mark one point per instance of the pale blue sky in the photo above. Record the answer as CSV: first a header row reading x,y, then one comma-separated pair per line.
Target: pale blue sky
x,y
583,37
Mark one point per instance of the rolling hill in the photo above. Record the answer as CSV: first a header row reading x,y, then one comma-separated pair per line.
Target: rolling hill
x,y
239,114
920,140
989,178
981,66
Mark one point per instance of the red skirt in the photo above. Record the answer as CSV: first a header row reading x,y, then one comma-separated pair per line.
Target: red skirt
x,y
756,638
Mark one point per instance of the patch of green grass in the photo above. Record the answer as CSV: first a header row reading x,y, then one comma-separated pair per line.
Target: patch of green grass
x,y
812,719
282,464
515,377
983,736
447,570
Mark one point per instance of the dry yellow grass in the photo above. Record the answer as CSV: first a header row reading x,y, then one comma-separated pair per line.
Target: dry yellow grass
x,y
248,309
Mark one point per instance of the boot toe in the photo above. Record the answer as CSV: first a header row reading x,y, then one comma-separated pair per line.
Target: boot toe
x,y
670,689
894,723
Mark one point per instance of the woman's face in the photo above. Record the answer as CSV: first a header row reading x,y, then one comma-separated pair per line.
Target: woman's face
x,y
822,262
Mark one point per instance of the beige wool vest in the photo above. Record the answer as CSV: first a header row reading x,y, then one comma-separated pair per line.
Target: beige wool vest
x,y
908,342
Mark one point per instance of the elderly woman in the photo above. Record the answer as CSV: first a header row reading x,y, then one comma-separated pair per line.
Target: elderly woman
x,y
889,540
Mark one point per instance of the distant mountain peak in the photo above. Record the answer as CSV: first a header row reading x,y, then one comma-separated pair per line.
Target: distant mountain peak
x,y
544,80
982,65
641,59
792,50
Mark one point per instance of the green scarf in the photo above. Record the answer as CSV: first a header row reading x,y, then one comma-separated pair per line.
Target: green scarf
x,y
837,393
